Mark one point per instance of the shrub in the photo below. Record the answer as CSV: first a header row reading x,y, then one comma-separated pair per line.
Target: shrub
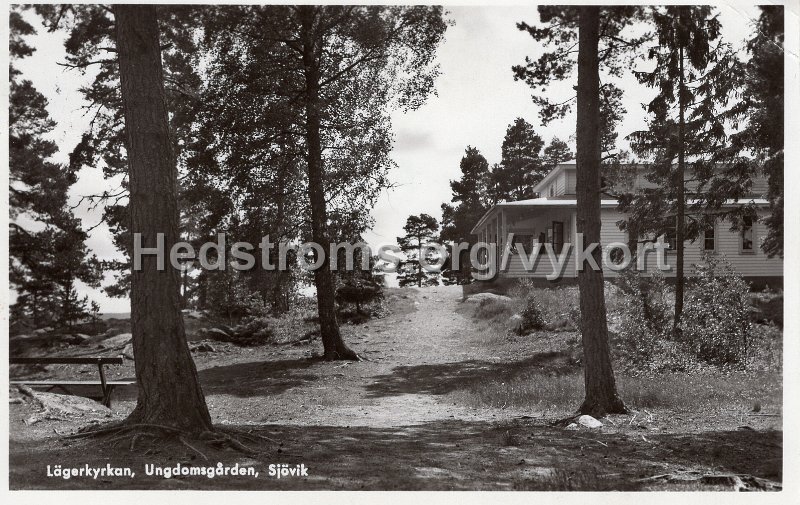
x,y
252,331
230,297
645,323
532,318
558,306
357,292
715,323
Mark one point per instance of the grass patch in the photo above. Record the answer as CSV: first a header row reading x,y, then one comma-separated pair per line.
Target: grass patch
x,y
557,306
493,310
575,479
557,394
542,392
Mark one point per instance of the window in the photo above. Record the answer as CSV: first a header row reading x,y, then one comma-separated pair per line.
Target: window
x,y
552,190
558,236
671,237
709,242
746,236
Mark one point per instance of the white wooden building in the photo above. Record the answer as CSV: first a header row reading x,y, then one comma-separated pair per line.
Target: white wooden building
x,y
551,218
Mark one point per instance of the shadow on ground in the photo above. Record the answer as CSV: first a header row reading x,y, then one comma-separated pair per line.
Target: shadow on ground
x,y
456,455
256,378
443,378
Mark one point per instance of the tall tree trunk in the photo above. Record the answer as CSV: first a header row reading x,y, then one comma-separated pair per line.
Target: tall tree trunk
x,y
681,200
419,262
601,391
169,391
184,286
66,312
333,345
35,308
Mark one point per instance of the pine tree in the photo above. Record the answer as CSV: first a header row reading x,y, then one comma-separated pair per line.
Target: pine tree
x,y
169,389
47,245
697,76
763,133
420,230
328,77
521,166
469,202
557,152
595,34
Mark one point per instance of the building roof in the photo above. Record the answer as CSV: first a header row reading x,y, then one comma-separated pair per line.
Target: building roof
x,y
552,174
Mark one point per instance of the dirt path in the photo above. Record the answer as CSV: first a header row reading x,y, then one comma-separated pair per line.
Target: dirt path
x,y
388,423
389,389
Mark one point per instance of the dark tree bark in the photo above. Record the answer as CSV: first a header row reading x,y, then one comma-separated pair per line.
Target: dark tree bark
x,y
601,391
169,391
333,345
680,196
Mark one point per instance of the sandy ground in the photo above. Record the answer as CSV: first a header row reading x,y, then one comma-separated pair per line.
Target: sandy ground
x,y
386,422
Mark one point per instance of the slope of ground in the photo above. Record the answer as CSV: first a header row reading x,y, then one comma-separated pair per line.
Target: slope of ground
x,y
422,412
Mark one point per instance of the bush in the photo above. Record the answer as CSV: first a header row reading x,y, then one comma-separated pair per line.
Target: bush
x,y
359,291
716,323
557,306
645,323
532,318
229,296
252,331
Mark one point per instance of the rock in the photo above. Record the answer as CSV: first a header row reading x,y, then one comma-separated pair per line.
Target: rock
x,y
128,351
479,297
589,422
80,337
204,347
42,331
68,404
116,341
217,333
227,329
571,427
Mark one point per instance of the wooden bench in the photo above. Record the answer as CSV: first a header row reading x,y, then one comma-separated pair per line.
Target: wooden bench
x,y
107,387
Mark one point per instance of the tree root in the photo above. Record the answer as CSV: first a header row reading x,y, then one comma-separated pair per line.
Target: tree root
x,y
190,446
344,354
219,438
598,409
118,427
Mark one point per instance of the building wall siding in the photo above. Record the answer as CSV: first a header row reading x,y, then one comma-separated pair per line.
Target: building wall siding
x,y
755,264
571,182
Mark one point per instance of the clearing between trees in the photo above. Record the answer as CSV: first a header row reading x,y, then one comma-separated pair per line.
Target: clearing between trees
x,y
444,399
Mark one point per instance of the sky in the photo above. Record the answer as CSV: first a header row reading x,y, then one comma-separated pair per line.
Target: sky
x,y
476,99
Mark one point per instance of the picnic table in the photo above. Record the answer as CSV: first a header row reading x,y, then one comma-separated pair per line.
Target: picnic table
x,y
106,386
